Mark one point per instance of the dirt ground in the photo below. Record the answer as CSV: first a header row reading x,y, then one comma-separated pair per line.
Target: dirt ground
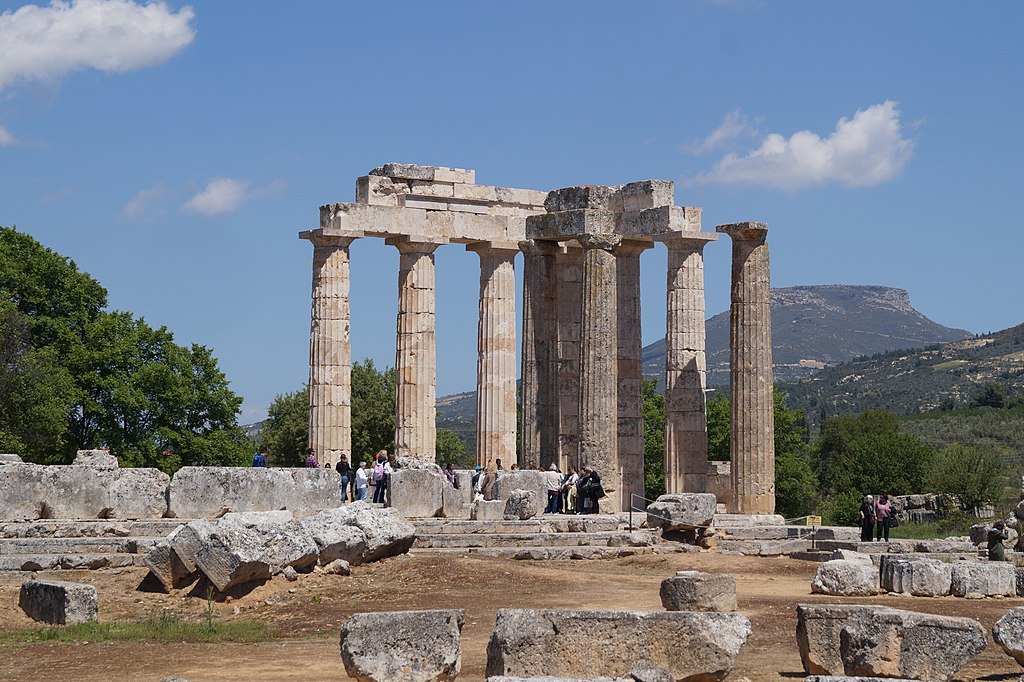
x,y
306,615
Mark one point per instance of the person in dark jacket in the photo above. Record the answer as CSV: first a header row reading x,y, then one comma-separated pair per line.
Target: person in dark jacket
x,y
345,470
996,534
867,518
589,488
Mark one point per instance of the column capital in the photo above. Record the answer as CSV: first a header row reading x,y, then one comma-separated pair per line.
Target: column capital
x,y
538,247
494,248
410,245
633,247
603,241
748,231
331,240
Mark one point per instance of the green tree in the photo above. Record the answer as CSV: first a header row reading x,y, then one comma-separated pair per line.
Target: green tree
x,y
451,448
976,476
992,395
654,439
718,427
285,432
373,409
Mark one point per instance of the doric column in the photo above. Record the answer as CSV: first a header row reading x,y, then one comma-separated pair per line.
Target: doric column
x,y
630,370
569,288
686,432
416,352
598,420
496,355
539,387
752,438
330,352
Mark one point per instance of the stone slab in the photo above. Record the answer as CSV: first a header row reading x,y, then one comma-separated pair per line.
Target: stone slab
x,y
209,492
403,646
59,602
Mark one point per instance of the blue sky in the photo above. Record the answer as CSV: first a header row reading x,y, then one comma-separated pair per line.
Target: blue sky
x,y
174,150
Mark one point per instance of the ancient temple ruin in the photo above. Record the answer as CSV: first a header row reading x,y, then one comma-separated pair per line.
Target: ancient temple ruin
x,y
581,352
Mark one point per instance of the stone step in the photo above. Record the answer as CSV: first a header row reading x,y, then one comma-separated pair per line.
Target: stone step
x,y
44,562
89,528
78,545
550,523
787,532
543,539
554,553
763,547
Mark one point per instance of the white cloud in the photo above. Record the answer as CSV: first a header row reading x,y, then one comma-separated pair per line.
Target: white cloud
x,y
145,205
109,35
866,150
6,138
221,195
733,126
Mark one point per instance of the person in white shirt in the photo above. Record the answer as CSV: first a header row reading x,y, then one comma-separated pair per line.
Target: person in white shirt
x,y
554,483
362,482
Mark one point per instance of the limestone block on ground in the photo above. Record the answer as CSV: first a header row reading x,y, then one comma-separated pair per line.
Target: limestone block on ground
x,y
521,479
697,591
403,646
846,578
387,532
488,510
690,645
250,519
55,601
285,541
1008,633
233,556
186,541
98,459
884,642
338,567
10,458
918,576
947,546
336,536
205,492
636,538
988,579
522,505
851,555
681,511
167,567
416,492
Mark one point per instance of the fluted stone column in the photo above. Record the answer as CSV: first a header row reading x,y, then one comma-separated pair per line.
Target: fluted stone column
x,y
630,370
416,352
330,352
752,441
496,356
569,283
598,364
539,387
686,432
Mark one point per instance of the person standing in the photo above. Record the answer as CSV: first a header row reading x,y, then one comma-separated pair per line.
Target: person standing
x,y
378,477
995,536
554,484
867,518
259,460
344,470
883,516
362,481
569,491
311,462
589,491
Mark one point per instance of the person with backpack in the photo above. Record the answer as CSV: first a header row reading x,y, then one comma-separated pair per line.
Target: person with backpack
x,y
259,460
379,476
344,470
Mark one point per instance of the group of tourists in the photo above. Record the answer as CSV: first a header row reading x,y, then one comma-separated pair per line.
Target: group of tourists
x,y
877,516
355,482
573,492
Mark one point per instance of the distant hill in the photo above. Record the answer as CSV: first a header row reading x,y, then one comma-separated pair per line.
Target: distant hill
x,y
819,326
915,381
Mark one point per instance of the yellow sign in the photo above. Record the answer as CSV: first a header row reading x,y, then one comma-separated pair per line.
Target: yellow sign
x,y
813,520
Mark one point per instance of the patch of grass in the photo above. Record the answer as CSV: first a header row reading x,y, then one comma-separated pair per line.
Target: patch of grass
x,y
949,365
162,628
954,525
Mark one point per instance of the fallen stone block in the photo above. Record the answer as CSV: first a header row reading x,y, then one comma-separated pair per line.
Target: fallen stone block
x,y
54,601
186,541
857,678
233,556
846,578
636,538
851,555
285,541
454,502
988,579
336,536
918,576
418,492
403,646
387,533
522,505
338,567
697,591
884,642
1008,633
690,645
165,565
520,479
488,510
682,511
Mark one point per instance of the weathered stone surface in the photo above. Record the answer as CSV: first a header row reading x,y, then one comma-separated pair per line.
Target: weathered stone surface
x,y
387,532
233,556
188,539
507,481
488,510
1008,633
338,567
336,536
681,511
522,505
455,504
285,541
205,492
54,601
690,645
846,578
418,492
850,555
10,458
290,574
403,646
854,678
636,538
1020,582
919,576
98,459
988,579
885,642
696,591
166,567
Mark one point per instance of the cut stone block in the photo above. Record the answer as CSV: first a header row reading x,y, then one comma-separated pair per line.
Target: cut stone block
x,y
403,646
10,458
884,642
918,576
846,578
336,536
688,644
508,481
188,539
285,541
522,505
417,493
682,511
696,591
166,567
205,492
54,601
988,579
98,459
233,556
1008,633
488,510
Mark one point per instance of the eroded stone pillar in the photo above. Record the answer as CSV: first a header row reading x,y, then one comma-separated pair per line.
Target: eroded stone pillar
x,y
330,352
630,371
496,356
752,439
416,352
598,420
686,432
539,385
569,283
